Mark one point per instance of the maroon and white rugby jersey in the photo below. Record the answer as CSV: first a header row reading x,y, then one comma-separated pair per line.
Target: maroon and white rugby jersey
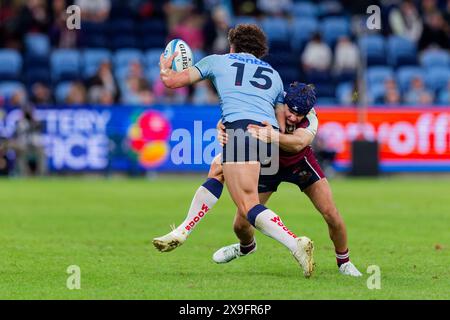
x,y
309,123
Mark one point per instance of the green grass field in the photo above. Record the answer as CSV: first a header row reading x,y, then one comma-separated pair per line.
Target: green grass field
x,y
106,226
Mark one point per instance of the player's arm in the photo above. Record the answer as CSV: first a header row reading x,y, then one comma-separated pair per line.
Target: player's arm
x,y
301,137
281,116
173,79
296,141
221,134
293,143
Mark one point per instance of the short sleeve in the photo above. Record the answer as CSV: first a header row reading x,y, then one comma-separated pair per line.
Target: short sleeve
x,y
313,122
205,66
280,98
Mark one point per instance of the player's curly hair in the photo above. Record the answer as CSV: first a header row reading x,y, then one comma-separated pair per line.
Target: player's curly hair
x,y
248,38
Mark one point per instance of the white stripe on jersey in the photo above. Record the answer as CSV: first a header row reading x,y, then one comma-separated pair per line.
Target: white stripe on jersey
x,y
318,176
313,122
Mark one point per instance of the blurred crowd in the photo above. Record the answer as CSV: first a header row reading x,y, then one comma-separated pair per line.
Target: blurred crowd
x,y
204,26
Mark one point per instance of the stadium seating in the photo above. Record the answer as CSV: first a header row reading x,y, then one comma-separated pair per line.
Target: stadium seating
x,y
37,44
65,64
305,9
92,58
123,41
334,27
373,48
376,93
275,28
94,35
151,34
120,27
8,88
152,57
37,51
62,91
288,75
343,91
123,57
197,54
10,64
329,8
378,74
436,78
126,36
38,74
119,10
435,58
401,51
244,19
302,30
326,101
406,74
444,96
152,27
122,34
152,74
278,60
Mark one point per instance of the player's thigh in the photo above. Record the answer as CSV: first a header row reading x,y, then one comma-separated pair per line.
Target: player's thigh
x,y
242,183
321,196
215,169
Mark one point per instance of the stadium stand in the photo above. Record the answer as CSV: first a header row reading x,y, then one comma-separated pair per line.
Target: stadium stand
x,y
51,55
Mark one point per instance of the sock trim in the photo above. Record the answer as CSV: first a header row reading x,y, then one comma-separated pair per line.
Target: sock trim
x,y
248,245
246,249
342,257
214,186
254,212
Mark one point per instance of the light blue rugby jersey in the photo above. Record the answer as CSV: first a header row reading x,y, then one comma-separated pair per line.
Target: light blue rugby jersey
x,y
248,88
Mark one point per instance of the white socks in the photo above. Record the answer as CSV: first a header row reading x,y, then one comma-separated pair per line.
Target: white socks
x,y
204,199
266,221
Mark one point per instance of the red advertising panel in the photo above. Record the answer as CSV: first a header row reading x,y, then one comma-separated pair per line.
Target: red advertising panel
x,y
410,139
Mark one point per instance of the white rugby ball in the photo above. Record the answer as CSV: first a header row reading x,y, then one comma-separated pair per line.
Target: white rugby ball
x,y
184,59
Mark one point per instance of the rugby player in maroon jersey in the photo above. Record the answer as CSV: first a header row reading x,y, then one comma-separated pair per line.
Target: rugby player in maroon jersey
x,y
298,165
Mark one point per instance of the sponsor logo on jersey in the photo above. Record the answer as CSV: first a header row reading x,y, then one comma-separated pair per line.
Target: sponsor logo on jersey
x,y
247,59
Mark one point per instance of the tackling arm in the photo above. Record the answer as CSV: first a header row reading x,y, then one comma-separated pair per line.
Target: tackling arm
x,y
295,142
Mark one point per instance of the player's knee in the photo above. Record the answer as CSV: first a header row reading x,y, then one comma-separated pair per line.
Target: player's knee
x,y
217,175
247,206
216,171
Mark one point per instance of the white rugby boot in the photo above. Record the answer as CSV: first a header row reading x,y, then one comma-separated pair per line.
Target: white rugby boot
x,y
170,241
304,255
228,253
349,269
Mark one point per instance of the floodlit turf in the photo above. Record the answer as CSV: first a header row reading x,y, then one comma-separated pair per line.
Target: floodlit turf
x,y
105,227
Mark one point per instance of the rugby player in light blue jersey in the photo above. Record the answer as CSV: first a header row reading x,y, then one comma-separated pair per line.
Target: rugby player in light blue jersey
x,y
249,90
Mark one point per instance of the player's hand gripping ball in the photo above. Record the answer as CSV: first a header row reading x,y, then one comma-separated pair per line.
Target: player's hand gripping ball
x,y
183,58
